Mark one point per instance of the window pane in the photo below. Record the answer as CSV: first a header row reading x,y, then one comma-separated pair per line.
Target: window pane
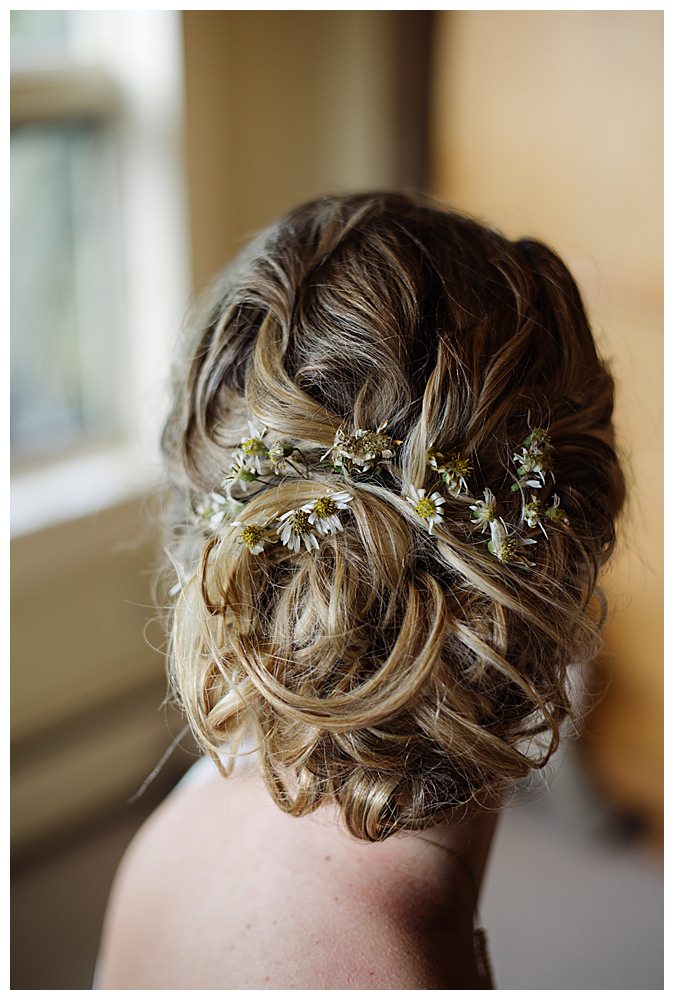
x,y
39,31
64,310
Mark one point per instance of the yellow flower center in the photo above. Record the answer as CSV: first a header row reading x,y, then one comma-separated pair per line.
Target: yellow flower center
x,y
459,466
533,509
425,507
371,443
251,535
299,522
254,446
325,507
507,550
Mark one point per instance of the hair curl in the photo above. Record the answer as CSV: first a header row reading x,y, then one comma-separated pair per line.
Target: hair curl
x,y
396,673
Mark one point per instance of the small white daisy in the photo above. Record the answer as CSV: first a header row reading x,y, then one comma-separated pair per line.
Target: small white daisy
x,y
323,511
429,508
277,454
453,470
252,451
251,535
530,466
532,514
294,528
484,511
506,547
242,471
534,460
214,509
555,513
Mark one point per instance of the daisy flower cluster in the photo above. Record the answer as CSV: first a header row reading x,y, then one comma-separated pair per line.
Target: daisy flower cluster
x,y
257,458
453,470
362,450
534,460
534,465
305,525
506,542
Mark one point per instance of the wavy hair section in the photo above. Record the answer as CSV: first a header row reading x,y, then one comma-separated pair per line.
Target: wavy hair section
x,y
399,674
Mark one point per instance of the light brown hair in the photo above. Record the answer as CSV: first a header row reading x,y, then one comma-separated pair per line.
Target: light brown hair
x,y
398,673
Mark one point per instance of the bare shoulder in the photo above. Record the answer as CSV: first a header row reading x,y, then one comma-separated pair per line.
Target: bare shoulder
x,y
170,868
220,889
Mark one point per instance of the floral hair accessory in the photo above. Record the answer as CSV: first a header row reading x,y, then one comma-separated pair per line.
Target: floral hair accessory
x,y
215,508
278,453
532,513
534,460
505,546
323,512
241,471
256,458
453,470
534,464
555,513
294,528
312,521
253,450
363,448
252,536
429,509
484,511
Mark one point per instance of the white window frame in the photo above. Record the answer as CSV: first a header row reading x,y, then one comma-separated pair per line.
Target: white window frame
x,y
108,75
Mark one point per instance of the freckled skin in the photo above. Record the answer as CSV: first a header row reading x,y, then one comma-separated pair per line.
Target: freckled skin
x,y
221,890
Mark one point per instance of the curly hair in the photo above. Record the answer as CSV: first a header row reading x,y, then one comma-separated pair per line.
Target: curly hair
x,y
398,673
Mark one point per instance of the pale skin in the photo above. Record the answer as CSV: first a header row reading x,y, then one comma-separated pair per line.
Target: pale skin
x,y
222,890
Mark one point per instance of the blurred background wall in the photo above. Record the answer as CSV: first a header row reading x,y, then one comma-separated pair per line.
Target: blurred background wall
x,y
146,147
550,124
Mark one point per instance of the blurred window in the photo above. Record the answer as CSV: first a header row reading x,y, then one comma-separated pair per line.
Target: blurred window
x,y
99,275
65,290
39,32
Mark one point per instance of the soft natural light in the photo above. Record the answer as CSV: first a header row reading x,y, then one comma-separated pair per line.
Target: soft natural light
x,y
100,249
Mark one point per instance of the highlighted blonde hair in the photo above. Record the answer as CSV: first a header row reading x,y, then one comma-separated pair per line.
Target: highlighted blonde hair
x,y
397,673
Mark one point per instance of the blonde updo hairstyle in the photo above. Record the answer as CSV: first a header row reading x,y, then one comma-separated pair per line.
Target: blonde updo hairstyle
x,y
397,673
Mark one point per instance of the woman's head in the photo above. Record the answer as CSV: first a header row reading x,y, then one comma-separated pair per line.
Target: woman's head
x,y
388,351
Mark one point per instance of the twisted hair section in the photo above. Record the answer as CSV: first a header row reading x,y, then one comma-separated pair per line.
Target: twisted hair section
x,y
398,673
